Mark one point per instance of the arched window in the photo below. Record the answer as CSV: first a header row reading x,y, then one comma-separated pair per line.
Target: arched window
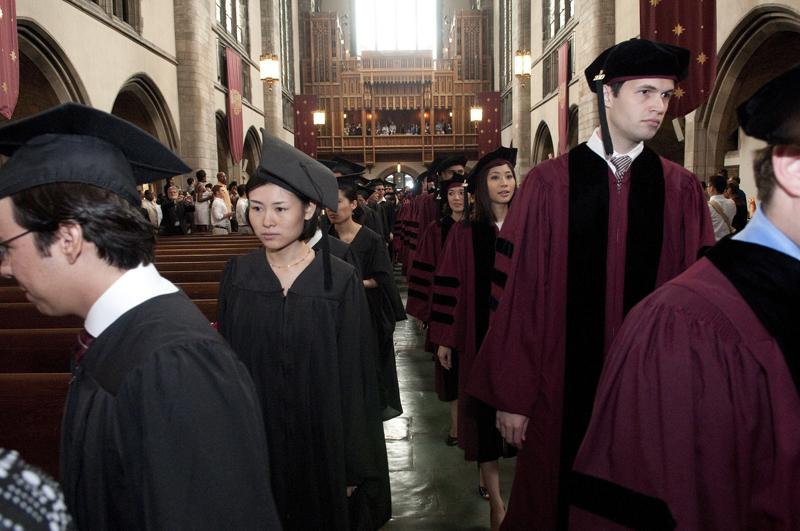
x,y
396,25
125,10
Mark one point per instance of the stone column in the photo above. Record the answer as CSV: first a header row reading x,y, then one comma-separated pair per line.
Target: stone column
x,y
197,70
271,43
521,95
595,33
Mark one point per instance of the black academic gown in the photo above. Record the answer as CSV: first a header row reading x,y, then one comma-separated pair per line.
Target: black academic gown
x,y
386,308
161,428
309,355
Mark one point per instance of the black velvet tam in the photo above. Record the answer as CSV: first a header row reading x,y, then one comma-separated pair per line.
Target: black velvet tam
x,y
636,59
773,113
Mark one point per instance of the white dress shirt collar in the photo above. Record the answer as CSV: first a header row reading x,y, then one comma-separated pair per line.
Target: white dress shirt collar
x,y
133,288
595,143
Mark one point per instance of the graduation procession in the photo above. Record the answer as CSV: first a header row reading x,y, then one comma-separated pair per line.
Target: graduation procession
x,y
399,265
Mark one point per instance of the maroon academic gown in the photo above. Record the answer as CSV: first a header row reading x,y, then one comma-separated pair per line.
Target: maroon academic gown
x,y
420,294
401,234
697,417
573,256
459,318
424,211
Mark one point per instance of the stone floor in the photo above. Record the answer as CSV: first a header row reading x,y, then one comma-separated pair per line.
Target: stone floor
x,y
433,488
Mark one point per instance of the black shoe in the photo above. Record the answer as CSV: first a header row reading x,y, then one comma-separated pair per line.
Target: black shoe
x,y
483,493
451,441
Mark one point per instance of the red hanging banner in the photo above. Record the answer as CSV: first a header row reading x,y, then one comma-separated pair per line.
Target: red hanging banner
x,y
563,98
489,126
235,123
690,24
9,58
305,132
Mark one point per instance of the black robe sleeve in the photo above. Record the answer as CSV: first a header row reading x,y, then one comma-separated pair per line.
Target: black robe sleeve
x,y
196,462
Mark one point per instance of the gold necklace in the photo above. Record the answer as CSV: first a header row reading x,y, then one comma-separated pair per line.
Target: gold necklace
x,y
293,263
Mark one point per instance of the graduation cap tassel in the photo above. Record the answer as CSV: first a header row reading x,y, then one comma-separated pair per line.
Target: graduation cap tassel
x,y
601,109
326,246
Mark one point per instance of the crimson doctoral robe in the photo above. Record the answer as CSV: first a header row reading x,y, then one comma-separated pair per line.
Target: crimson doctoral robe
x,y
575,254
697,417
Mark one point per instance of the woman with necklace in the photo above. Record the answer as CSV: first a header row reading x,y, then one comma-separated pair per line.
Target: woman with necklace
x,y
460,310
299,321
385,304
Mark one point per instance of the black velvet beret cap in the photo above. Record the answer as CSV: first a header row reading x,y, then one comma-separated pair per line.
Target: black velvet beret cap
x,y
636,59
773,112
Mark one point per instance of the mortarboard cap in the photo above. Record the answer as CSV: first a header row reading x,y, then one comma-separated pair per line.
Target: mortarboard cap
x,y
74,143
506,154
290,168
349,181
772,114
448,161
344,167
636,59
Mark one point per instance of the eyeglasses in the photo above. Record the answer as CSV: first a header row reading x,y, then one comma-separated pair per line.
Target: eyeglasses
x,y
4,244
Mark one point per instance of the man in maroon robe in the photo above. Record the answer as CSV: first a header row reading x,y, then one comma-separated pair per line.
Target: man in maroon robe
x,y
590,234
697,419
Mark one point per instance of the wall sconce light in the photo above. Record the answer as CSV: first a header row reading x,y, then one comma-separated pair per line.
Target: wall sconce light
x,y
319,117
425,115
344,116
369,116
451,114
476,114
522,65
398,167
269,69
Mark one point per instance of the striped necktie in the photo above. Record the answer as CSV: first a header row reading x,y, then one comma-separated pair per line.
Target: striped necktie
x,y
85,340
622,163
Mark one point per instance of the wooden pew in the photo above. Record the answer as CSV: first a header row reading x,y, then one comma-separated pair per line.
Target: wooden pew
x,y
194,290
30,416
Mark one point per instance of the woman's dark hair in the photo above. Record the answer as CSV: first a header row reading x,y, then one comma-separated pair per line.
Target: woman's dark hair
x,y
241,190
123,237
309,226
482,210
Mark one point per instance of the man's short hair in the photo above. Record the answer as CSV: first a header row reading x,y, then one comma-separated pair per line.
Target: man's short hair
x,y
123,237
719,183
201,175
764,174
189,181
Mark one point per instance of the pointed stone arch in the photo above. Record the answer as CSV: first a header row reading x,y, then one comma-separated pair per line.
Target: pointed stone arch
x,y
140,102
224,161
542,144
251,153
47,76
765,43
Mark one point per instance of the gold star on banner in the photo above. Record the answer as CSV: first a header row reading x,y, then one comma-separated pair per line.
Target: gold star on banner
x,y
654,3
679,93
4,87
678,30
1,13
13,55
702,58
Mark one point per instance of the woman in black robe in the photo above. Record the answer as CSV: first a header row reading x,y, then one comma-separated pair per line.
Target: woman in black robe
x,y
299,322
385,304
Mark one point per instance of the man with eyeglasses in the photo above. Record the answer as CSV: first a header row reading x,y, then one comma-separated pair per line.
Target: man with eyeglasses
x,y
162,427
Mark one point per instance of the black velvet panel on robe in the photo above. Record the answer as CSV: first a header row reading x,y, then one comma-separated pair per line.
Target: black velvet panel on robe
x,y
311,355
162,428
770,283
586,280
